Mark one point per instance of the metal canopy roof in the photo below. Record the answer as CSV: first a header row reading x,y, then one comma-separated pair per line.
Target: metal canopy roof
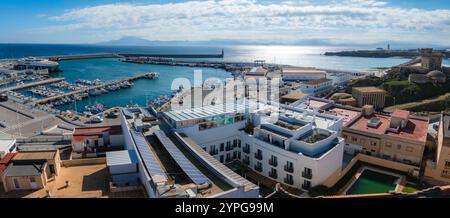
x,y
149,159
193,172
203,112
115,158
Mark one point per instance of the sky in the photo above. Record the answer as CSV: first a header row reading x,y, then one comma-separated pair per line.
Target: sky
x,y
268,21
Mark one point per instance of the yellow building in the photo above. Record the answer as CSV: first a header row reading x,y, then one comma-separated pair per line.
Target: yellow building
x,y
398,137
369,96
439,168
30,170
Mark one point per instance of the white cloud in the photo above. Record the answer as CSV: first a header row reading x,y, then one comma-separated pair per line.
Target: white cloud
x,y
250,19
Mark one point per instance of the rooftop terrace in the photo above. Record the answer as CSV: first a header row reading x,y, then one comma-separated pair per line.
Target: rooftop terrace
x,y
416,129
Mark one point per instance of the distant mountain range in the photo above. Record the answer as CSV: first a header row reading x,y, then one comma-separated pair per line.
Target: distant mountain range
x,y
137,41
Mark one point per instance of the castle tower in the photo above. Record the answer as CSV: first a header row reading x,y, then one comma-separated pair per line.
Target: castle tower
x,y
431,60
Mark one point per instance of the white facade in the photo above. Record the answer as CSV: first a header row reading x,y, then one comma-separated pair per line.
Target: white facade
x,y
279,136
316,88
7,144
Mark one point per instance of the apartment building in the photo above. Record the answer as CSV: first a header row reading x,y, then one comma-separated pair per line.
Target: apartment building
x,y
295,147
171,165
399,136
317,86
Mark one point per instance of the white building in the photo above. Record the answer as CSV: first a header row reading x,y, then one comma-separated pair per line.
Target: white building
x,y
166,172
93,139
316,86
302,73
296,147
340,78
7,144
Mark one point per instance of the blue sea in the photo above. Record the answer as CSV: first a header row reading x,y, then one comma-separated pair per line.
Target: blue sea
x,y
144,90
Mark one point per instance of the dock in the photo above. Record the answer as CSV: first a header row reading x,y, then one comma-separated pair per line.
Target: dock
x,y
49,99
29,85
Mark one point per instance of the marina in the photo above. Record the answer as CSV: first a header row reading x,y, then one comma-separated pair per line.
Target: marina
x,y
97,88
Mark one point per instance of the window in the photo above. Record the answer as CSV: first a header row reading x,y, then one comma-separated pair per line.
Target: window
x,y
289,179
222,146
409,149
354,139
373,143
399,146
32,179
221,158
447,163
273,173
388,144
16,183
306,184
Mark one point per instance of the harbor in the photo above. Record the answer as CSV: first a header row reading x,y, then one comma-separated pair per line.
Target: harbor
x,y
89,88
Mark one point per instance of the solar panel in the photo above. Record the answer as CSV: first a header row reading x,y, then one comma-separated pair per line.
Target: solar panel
x,y
193,172
127,113
145,112
150,161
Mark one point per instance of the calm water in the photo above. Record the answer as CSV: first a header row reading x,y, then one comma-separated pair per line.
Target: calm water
x,y
293,55
371,182
144,90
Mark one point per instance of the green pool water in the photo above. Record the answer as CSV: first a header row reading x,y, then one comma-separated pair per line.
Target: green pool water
x,y
371,182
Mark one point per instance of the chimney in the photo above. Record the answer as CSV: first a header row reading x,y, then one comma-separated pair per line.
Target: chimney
x,y
367,110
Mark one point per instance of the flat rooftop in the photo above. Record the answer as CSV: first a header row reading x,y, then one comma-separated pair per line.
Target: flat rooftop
x,y
204,112
177,174
369,89
347,115
317,81
34,155
416,129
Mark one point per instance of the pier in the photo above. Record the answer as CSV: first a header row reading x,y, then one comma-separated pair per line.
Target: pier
x,y
86,89
29,85
125,55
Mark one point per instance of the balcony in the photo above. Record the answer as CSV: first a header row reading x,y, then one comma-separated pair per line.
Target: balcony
x,y
246,150
273,162
273,175
288,168
228,148
289,181
258,156
214,152
306,175
258,168
246,161
306,186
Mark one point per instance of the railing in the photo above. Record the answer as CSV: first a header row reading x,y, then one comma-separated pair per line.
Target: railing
x,y
289,181
214,152
273,162
258,156
306,187
306,175
288,168
273,175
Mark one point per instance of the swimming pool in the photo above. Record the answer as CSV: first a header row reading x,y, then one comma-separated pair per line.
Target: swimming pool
x,y
371,182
